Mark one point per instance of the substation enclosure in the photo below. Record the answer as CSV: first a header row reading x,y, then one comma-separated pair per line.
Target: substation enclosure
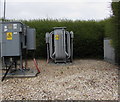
x,y
60,45
16,39
109,51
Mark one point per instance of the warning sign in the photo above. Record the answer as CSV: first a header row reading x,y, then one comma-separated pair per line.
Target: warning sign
x,y
56,37
9,36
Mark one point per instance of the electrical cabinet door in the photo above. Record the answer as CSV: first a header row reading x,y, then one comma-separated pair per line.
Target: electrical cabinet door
x,y
11,44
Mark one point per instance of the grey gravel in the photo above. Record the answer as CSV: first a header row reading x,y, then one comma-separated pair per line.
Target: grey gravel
x,y
82,80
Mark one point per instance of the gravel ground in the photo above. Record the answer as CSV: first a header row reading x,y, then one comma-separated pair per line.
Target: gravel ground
x,y
82,80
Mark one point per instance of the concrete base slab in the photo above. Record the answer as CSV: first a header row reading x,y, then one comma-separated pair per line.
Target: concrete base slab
x,y
20,73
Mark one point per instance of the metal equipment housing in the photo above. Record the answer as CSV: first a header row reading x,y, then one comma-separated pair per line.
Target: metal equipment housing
x,y
16,39
60,45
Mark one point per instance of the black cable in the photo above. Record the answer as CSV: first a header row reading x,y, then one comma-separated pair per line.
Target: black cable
x,y
7,71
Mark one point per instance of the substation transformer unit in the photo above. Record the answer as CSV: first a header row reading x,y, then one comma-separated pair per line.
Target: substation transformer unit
x,y
59,45
16,40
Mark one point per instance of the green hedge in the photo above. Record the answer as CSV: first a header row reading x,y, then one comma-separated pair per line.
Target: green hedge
x,y
112,29
88,40
116,28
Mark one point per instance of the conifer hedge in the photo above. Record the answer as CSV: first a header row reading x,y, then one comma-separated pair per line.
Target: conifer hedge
x,y
112,29
116,28
88,36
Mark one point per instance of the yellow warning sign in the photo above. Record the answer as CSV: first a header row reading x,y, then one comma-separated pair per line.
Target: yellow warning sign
x,y
9,36
56,37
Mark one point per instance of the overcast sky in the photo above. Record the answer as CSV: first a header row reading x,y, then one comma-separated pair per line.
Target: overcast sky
x,y
57,9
